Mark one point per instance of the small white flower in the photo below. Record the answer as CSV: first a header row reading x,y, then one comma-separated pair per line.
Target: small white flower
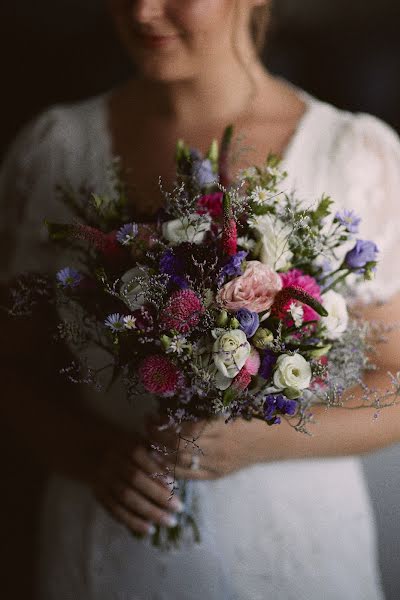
x,y
246,243
178,345
338,318
292,371
248,173
130,322
260,196
297,313
187,229
273,240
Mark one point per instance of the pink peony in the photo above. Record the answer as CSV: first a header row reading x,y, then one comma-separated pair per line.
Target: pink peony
x,y
296,278
159,375
210,204
182,311
252,364
254,290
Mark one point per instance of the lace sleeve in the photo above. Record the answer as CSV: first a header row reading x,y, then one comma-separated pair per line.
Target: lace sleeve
x,y
370,174
27,180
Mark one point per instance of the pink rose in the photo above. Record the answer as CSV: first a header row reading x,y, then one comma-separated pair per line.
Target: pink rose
x,y
254,290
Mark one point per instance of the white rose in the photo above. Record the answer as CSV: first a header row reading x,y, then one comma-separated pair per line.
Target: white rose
x,y
338,318
187,229
131,291
274,236
292,371
230,352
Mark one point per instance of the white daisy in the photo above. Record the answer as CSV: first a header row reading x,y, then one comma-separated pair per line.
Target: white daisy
x,y
260,196
130,322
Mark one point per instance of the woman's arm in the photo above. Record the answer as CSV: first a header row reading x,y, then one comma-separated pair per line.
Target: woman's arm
x,y
337,431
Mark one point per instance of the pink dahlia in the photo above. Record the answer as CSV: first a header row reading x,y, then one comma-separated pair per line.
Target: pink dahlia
x,y
182,311
210,204
159,375
297,279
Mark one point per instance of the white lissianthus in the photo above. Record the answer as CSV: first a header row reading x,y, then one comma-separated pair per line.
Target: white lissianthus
x,y
297,313
247,243
131,290
292,371
273,237
338,318
187,229
230,352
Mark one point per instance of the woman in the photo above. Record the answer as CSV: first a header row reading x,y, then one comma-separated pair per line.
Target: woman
x,y
283,516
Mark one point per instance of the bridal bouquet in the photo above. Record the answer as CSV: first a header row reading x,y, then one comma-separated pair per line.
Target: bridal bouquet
x,y
232,303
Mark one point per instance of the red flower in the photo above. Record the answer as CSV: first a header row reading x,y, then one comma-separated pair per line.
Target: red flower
x,y
210,204
182,311
242,380
296,279
159,375
229,237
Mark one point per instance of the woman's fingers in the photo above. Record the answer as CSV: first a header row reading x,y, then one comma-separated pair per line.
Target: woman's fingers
x,y
139,506
135,523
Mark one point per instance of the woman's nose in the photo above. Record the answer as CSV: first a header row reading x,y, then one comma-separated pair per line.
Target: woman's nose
x,y
145,11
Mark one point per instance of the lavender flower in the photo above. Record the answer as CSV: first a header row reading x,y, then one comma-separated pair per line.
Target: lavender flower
x,y
360,257
268,361
115,322
68,277
249,321
233,267
202,170
278,405
127,234
173,265
349,220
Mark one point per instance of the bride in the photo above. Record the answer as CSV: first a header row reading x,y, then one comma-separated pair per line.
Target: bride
x,y
284,516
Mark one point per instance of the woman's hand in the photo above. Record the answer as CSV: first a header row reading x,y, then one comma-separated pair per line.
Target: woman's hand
x,y
209,450
125,485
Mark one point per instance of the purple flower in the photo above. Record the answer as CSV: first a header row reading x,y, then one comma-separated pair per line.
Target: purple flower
x,y
249,321
127,234
115,322
202,172
233,267
173,265
268,361
68,277
364,252
349,220
278,405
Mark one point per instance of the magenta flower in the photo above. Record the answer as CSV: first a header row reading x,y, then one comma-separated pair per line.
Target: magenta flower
x,y
159,375
182,311
210,204
296,278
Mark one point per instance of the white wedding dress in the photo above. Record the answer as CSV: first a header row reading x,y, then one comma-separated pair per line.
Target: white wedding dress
x,y
295,530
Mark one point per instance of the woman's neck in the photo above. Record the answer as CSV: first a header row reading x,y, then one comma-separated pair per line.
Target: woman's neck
x,y
221,93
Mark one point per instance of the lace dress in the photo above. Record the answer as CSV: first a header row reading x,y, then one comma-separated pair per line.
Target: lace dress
x,y
293,530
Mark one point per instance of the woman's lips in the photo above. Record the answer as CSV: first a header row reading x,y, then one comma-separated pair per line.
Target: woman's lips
x,y
156,41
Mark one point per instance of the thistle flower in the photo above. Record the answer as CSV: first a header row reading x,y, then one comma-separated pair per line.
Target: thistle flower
x,y
115,322
127,234
68,277
182,311
159,375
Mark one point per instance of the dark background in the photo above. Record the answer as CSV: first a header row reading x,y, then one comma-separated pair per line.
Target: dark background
x,y
344,52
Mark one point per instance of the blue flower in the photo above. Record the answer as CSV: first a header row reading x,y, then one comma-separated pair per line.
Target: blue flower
x,y
127,234
249,321
203,173
174,266
363,253
349,220
233,267
115,322
268,362
68,277
278,405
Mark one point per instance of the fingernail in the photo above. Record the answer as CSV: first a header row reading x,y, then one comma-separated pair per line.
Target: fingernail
x,y
170,521
177,505
151,530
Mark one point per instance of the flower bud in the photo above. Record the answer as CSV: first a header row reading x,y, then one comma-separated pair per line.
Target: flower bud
x,y
292,393
234,323
262,338
165,341
222,319
320,351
